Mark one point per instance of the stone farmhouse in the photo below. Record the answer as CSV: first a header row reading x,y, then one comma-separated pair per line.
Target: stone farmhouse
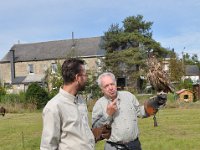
x,y
27,63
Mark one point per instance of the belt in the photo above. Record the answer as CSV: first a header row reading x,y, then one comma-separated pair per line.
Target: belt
x,y
121,142
118,145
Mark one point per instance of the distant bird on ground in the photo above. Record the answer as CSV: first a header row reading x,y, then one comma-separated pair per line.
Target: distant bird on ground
x,y
157,77
2,111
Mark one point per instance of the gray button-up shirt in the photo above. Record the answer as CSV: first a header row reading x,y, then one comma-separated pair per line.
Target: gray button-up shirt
x,y
65,124
124,122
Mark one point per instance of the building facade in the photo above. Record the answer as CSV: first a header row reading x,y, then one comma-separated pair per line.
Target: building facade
x,y
28,63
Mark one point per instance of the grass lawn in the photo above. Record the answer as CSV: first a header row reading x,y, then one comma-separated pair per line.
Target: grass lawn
x,y
178,129
20,131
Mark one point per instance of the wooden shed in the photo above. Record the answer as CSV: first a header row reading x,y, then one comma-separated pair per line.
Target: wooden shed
x,y
196,89
185,95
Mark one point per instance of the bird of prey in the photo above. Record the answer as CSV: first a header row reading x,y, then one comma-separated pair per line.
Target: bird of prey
x,y
157,77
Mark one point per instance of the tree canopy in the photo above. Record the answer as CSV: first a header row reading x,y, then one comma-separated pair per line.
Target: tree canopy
x,y
191,59
127,47
176,68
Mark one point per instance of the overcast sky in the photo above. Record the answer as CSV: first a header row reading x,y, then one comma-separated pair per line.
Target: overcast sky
x,y
176,23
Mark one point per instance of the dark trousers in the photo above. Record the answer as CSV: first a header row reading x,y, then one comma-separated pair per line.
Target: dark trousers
x,y
132,145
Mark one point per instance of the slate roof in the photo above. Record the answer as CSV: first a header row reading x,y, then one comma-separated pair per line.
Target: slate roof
x,y
192,70
84,47
18,80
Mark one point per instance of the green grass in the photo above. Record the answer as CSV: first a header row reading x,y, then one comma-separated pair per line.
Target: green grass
x,y
178,129
20,131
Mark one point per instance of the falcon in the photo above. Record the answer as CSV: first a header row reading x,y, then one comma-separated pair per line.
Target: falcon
x,y
157,77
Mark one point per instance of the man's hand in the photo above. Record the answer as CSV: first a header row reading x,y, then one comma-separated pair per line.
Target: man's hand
x,y
112,108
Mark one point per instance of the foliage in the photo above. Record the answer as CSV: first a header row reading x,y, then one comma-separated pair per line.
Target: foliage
x,y
16,103
175,68
191,60
135,33
92,88
19,107
185,84
54,80
13,98
137,25
127,48
35,93
2,92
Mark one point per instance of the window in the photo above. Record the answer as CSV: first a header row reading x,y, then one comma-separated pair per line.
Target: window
x,y
186,96
30,68
54,68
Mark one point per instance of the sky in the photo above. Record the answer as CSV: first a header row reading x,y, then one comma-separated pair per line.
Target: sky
x,y
176,23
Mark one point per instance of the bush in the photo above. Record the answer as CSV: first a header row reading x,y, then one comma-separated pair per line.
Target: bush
x,y
53,92
11,98
91,87
16,103
36,94
186,84
2,92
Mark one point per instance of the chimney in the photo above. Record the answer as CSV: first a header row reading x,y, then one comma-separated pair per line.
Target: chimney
x,y
12,64
73,43
72,35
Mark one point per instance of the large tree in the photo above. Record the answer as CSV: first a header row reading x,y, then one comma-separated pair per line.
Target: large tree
x,y
127,48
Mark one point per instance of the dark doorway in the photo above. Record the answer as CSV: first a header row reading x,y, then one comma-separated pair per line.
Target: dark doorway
x,y
121,83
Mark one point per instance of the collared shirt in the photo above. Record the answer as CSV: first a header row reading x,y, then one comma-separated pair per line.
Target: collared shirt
x,y
65,124
124,121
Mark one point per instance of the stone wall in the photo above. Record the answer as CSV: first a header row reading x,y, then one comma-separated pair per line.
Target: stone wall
x,y
39,67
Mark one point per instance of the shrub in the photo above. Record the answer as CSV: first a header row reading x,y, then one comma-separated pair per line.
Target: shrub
x,y
91,87
186,84
2,92
36,94
10,98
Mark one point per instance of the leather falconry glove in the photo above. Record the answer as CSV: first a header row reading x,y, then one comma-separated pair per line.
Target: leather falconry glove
x,y
153,104
102,132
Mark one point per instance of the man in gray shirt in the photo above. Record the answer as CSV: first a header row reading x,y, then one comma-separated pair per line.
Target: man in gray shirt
x,y
119,109
65,120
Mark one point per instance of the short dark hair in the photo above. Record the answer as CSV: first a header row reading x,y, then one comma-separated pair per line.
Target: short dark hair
x,y
70,68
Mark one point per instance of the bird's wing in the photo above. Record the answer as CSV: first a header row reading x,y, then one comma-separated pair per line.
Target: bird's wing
x,y
157,77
